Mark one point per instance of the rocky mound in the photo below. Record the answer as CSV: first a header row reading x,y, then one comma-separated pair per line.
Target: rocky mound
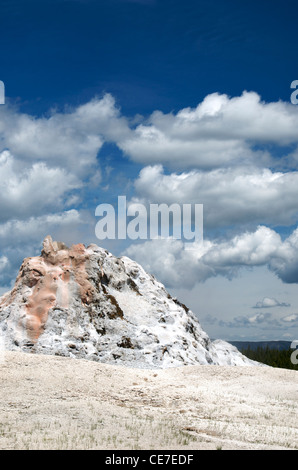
x,y
86,303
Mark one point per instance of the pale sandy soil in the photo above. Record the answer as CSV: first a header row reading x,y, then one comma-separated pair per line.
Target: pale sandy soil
x,y
49,402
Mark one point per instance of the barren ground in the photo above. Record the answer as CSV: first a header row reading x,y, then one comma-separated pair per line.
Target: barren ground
x,y
50,402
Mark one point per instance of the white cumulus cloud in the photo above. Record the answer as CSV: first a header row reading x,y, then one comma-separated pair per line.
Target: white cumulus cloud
x,y
178,266
69,139
221,131
33,191
268,302
230,196
293,318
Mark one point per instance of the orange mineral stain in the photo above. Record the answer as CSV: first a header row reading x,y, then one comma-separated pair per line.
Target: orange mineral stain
x,y
43,298
49,277
79,257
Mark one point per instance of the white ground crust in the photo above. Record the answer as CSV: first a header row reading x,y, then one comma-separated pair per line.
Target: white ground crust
x,y
49,402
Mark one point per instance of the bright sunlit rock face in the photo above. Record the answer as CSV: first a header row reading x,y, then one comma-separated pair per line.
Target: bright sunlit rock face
x,y
84,302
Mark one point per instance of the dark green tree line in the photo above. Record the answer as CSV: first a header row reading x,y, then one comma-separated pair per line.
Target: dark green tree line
x,y
271,357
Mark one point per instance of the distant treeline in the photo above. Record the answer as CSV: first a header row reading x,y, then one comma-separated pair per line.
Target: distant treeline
x,y
271,357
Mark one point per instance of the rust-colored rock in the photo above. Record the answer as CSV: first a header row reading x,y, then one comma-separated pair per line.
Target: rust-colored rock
x,y
48,276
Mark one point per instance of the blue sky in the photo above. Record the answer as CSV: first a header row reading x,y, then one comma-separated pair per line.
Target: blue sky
x,y
161,101
149,54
